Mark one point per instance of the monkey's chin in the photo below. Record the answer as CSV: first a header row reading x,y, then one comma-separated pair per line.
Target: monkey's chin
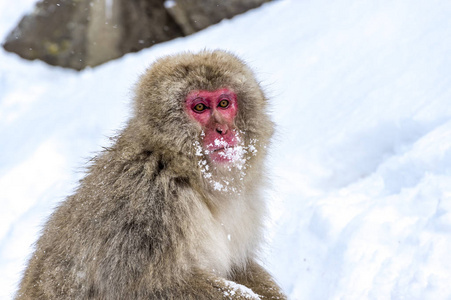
x,y
226,156
218,157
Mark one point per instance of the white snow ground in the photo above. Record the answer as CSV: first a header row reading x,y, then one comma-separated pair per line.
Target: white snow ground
x,y
361,91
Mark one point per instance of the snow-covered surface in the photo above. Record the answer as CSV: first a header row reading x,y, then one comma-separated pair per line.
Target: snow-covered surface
x,y
238,288
361,90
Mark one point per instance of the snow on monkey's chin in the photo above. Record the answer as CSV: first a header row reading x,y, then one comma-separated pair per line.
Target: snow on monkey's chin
x,y
224,165
226,154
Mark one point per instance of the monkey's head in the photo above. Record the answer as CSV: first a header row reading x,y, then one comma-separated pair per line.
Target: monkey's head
x,y
206,108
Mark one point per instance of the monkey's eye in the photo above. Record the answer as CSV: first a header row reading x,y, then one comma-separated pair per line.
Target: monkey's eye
x,y
224,103
199,107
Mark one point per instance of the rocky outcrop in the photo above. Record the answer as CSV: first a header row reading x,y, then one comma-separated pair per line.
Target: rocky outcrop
x,y
195,15
80,33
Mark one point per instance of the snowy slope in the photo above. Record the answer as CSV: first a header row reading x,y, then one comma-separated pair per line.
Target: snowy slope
x,y
361,201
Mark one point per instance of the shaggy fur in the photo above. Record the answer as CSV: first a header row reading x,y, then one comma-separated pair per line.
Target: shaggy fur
x,y
144,222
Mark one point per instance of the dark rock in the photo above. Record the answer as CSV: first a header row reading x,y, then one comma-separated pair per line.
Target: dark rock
x,y
195,15
146,23
54,32
80,33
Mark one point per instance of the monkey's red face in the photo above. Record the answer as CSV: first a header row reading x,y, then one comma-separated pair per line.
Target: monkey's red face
x,y
215,112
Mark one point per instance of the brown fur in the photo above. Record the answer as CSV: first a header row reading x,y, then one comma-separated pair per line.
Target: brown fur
x,y
144,223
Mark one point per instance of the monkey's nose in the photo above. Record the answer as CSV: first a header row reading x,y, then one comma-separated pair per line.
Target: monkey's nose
x,y
221,129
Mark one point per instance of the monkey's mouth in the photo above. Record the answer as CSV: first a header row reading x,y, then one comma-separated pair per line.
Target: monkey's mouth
x,y
222,149
227,154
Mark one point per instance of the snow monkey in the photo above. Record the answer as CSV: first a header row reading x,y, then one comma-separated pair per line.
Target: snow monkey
x,y
173,208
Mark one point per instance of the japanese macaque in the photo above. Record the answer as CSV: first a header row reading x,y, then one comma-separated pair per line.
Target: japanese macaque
x,y
173,209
